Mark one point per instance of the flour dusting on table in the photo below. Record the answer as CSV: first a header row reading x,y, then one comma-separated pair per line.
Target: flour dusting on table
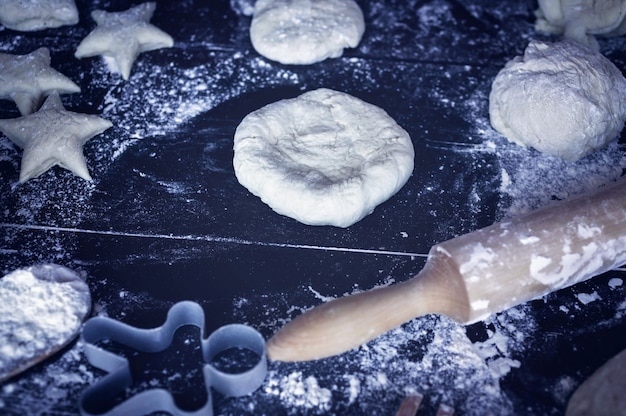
x,y
439,52
430,355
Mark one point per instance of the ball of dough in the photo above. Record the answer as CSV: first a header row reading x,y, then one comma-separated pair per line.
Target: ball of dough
x,y
304,31
323,158
560,98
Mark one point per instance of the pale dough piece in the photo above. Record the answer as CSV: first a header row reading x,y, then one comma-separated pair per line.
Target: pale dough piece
x,y
580,20
323,158
31,15
53,136
562,98
28,79
602,394
42,309
121,36
305,31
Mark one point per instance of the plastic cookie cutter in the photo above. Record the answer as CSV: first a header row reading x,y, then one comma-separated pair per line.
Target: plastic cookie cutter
x,y
156,340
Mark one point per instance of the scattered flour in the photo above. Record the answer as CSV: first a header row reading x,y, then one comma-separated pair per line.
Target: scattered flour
x,y
431,355
586,298
60,382
158,100
243,7
296,391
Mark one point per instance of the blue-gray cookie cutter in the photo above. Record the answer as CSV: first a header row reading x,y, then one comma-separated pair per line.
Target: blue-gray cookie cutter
x,y
158,339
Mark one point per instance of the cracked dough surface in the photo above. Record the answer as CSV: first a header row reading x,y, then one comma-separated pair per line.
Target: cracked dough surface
x,y
561,98
322,158
304,31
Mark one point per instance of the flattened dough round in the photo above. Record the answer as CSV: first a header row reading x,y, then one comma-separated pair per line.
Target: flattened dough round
x,y
561,98
323,158
42,309
304,31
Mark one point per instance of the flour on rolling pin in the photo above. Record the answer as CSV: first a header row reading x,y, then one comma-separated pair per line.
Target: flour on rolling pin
x,y
475,275
545,250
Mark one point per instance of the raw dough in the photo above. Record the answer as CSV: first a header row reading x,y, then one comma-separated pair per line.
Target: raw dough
x,y
28,79
603,393
305,31
562,98
121,36
53,136
580,20
323,158
41,310
31,15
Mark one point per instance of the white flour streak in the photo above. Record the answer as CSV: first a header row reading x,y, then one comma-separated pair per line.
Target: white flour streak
x,y
216,239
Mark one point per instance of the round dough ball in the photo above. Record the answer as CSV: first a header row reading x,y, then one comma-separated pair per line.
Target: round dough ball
x,y
563,99
304,31
323,158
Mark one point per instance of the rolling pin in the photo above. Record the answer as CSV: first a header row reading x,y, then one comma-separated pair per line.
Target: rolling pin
x,y
474,275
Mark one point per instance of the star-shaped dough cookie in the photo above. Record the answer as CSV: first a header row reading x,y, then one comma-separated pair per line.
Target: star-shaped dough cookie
x,y
53,136
34,15
28,79
122,36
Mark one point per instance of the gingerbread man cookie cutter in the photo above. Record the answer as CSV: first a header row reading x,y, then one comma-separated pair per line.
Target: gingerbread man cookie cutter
x,y
158,339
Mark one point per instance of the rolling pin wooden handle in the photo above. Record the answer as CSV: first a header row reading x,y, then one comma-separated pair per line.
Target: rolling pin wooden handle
x,y
347,322
475,275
